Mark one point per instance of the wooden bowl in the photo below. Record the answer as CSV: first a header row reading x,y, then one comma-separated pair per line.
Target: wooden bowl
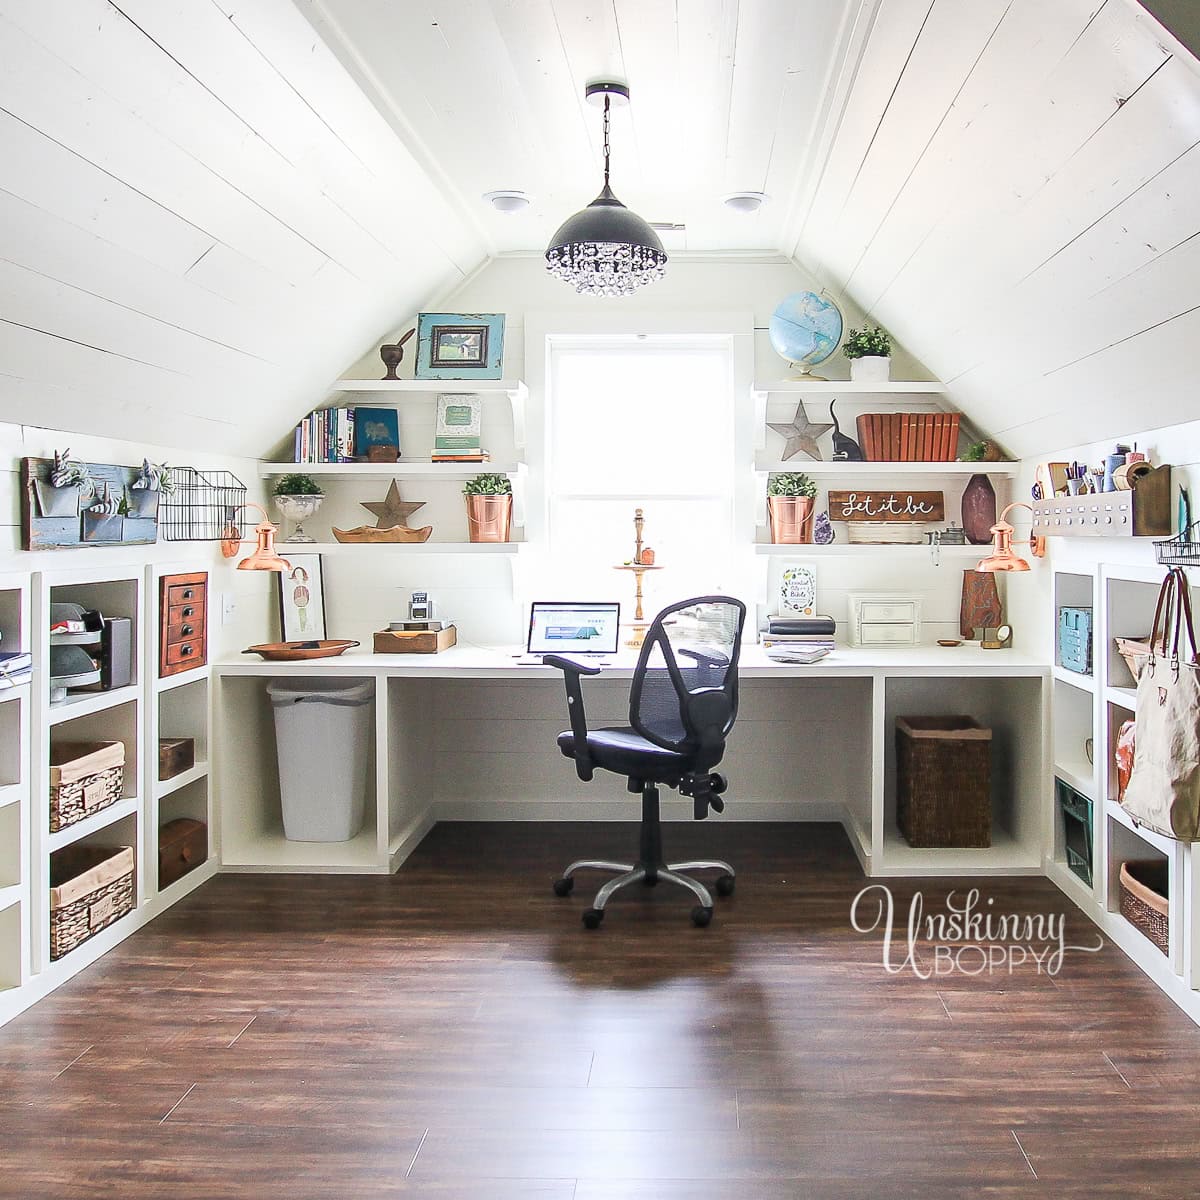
x,y
296,651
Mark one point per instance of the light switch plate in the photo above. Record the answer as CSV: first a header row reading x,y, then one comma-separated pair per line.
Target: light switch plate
x,y
228,607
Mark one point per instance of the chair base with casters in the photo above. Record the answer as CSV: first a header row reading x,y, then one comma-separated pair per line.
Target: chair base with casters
x,y
682,705
650,868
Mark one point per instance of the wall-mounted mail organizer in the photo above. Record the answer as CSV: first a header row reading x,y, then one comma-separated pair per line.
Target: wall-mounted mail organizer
x,y
106,511
1143,511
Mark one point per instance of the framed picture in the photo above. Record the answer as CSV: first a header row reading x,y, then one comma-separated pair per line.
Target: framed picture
x,y
460,346
301,598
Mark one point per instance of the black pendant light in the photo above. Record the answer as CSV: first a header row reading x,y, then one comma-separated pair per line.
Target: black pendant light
x,y
606,250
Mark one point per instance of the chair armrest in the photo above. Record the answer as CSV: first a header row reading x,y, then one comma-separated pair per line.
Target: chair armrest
x,y
564,663
705,660
572,669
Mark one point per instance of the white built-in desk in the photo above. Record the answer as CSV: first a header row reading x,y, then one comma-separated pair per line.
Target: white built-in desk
x,y
469,734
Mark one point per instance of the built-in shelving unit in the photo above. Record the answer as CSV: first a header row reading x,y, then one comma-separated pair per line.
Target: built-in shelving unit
x,y
379,549
1093,707
856,550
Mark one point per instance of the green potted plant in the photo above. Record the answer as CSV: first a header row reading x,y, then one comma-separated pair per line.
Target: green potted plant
x,y
298,497
869,350
489,507
790,507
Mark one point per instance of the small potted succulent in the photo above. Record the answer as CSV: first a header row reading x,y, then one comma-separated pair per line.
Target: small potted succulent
x,y
790,507
489,507
869,350
298,497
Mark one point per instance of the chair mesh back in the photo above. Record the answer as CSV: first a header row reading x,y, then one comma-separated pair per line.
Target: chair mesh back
x,y
692,646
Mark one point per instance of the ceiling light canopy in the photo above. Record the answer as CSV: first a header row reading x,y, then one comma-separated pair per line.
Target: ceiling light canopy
x,y
606,250
507,201
745,202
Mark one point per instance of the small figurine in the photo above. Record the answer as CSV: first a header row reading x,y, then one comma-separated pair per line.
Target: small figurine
x,y
845,449
393,354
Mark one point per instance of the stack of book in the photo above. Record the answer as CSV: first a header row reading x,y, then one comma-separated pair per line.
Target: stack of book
x,y
456,436
798,639
16,667
325,436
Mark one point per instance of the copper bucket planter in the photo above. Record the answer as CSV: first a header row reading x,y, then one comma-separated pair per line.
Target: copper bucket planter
x,y
791,519
489,518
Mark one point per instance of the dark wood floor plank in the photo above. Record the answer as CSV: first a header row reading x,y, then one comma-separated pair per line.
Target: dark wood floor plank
x,y
453,1031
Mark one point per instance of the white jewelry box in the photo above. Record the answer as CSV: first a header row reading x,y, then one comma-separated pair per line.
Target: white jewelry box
x,y
884,619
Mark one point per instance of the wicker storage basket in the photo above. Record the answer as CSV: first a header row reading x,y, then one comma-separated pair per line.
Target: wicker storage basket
x,y
85,777
90,888
1144,901
943,781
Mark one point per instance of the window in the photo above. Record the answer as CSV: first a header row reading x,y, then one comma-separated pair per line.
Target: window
x,y
640,422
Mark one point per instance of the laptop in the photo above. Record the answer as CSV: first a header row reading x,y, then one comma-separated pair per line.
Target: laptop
x,y
583,629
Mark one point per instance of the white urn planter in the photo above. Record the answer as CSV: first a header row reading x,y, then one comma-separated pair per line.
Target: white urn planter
x,y
871,368
298,509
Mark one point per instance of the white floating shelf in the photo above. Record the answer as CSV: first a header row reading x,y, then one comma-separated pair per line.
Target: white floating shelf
x,y
405,468
101,820
165,787
430,386
848,550
846,387
873,470
86,703
385,548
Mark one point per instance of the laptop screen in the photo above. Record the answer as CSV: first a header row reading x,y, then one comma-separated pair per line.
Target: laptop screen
x,y
574,627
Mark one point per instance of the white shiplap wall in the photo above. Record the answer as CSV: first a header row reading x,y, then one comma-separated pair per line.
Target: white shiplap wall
x,y
1012,192
200,217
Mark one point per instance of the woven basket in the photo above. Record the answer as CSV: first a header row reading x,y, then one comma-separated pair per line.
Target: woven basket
x,y
90,888
1134,651
85,777
1144,902
943,781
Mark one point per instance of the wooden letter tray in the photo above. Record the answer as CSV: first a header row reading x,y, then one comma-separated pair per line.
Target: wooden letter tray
x,y
414,641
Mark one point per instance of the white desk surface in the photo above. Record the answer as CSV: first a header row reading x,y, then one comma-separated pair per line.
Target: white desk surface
x,y
481,662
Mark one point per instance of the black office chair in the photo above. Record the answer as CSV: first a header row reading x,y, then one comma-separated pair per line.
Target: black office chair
x,y
680,714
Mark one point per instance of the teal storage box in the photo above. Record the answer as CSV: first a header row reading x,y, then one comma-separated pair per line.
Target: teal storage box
x,y
1076,810
1075,639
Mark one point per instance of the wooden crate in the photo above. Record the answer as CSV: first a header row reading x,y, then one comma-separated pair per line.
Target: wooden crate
x,y
413,641
943,781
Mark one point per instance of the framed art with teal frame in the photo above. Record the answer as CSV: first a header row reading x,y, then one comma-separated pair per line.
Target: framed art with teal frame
x,y
460,346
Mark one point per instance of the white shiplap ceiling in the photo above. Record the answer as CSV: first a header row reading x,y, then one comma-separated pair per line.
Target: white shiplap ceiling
x,y
727,95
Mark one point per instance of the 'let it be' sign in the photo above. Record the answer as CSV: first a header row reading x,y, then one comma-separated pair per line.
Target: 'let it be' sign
x,y
886,506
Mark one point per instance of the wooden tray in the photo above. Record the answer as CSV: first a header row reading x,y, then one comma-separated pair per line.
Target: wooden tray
x,y
296,651
365,534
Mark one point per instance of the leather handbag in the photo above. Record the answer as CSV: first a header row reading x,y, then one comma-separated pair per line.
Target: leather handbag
x,y
1163,792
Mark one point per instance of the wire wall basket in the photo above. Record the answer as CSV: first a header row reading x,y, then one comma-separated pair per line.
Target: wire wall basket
x,y
203,505
1182,550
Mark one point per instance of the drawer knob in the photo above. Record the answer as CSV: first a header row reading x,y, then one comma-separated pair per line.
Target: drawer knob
x,y
185,650
187,631
187,593
189,611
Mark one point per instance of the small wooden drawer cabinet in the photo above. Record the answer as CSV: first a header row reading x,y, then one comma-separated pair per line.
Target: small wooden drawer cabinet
x,y
183,629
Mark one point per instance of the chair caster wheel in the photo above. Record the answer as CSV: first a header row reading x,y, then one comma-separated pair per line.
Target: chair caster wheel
x,y
564,887
725,885
719,783
701,916
592,918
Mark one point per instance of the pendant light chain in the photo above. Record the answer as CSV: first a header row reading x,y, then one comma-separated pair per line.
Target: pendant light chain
x,y
606,150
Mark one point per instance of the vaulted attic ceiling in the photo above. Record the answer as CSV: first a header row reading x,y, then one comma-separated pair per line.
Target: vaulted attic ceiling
x,y
209,208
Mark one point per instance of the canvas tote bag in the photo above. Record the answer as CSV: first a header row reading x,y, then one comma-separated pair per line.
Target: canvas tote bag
x,y
1164,790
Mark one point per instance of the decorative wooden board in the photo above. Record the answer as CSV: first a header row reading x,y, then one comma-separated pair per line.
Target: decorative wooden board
x,y
879,505
57,518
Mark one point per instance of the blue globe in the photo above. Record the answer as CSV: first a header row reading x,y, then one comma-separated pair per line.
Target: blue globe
x,y
805,328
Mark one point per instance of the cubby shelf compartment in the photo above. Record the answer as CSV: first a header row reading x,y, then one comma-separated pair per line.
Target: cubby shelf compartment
x,y
166,787
87,703
1164,845
90,825
1085,683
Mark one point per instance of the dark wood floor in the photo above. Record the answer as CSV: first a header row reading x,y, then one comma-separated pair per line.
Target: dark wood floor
x,y
453,1031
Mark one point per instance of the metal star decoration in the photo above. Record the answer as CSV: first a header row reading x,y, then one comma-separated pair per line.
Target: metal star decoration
x,y
801,434
392,511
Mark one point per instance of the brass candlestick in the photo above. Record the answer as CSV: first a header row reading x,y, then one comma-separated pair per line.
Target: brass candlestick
x,y
639,566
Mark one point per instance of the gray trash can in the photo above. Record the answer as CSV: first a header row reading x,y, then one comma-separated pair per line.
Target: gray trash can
x,y
323,735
